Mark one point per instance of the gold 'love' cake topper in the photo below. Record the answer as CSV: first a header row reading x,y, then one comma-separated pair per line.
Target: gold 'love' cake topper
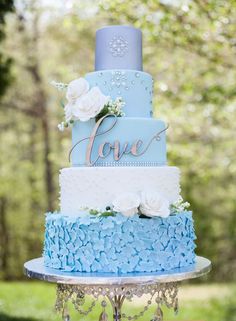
x,y
136,148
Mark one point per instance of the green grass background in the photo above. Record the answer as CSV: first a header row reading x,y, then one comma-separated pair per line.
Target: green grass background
x,y
32,301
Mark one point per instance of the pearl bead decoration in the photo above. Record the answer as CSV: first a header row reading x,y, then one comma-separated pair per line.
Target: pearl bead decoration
x,y
118,46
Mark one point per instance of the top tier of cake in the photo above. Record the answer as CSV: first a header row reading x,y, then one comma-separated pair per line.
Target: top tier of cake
x,y
118,47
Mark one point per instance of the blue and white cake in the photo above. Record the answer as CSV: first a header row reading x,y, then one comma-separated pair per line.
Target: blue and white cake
x,y
120,204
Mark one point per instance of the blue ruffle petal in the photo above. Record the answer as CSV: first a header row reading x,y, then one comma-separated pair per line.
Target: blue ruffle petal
x,y
119,244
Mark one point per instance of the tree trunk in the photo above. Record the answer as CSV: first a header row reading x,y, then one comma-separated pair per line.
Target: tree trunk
x,y
33,242
40,104
48,164
4,237
48,172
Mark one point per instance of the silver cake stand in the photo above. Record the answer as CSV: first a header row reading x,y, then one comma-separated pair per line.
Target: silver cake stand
x,y
160,288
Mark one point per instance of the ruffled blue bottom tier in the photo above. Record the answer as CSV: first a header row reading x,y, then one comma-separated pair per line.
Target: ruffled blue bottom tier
x,y
119,244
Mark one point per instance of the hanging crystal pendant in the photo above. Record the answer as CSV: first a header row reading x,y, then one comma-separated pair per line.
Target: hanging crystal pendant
x,y
103,316
65,313
159,314
176,306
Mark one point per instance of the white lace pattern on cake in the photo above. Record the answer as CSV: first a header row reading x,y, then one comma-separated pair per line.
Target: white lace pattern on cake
x,y
97,187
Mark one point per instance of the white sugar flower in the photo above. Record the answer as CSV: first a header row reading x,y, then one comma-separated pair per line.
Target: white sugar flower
x,y
59,85
154,204
115,107
69,112
179,206
61,126
76,88
89,105
127,204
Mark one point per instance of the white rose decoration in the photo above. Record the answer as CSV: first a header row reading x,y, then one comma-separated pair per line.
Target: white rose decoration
x,y
127,204
89,105
76,89
154,204
69,112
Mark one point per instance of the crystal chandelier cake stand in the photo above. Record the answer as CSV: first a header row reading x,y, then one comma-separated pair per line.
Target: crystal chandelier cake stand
x,y
161,288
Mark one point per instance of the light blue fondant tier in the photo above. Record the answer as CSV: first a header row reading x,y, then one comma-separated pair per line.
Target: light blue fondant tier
x,y
126,130
135,87
119,244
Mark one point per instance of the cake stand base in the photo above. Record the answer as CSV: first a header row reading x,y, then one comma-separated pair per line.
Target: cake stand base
x,y
161,287
160,294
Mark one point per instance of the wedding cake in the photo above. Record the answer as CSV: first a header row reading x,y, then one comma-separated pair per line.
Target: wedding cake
x,y
120,204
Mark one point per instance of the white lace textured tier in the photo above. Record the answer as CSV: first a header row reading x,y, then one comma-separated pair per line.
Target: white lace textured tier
x,y
96,187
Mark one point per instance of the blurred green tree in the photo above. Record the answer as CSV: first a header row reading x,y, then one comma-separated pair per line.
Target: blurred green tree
x,y
5,80
5,62
189,48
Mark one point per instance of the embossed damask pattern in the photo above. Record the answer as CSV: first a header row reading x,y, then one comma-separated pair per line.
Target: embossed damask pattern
x,y
118,46
96,187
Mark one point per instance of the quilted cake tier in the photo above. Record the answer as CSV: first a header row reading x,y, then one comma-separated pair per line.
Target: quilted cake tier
x,y
119,244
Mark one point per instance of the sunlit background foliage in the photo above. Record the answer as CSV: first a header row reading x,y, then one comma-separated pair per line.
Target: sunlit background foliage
x,y
189,48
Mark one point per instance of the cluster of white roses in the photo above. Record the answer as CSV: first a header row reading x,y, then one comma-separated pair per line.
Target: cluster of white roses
x,y
84,103
149,203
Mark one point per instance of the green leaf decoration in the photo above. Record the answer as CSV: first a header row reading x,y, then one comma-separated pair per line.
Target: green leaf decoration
x,y
62,104
102,113
107,213
94,212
